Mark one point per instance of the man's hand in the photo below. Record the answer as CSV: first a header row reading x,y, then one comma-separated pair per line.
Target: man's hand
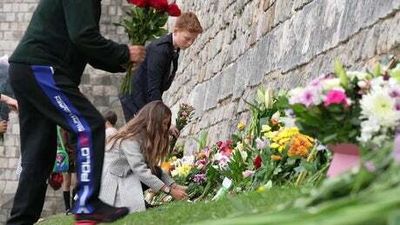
x,y
3,126
12,103
174,131
137,53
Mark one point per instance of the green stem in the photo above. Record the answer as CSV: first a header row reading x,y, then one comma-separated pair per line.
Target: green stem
x,y
126,85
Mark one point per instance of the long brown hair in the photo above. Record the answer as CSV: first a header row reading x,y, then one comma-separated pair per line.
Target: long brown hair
x,y
147,128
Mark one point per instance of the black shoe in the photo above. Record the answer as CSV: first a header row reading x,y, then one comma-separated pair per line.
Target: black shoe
x,y
68,212
103,213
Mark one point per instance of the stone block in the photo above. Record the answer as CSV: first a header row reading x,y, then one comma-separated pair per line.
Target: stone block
x,y
211,97
11,187
3,163
227,81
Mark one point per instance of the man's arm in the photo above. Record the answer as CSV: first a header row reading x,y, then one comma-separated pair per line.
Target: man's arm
x,y
84,32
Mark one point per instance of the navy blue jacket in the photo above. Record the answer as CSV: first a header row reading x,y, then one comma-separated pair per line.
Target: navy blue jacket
x,y
153,77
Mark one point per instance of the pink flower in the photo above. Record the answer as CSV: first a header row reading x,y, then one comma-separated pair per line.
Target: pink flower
x,y
309,97
248,173
370,166
225,147
336,96
201,163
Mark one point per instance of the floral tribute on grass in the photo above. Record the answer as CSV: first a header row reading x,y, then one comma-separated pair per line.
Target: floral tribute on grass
x,y
284,142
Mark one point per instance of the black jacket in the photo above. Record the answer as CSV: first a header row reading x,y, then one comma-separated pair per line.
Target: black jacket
x,y
65,34
153,77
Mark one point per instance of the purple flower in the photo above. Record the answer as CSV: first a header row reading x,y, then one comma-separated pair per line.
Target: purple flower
x,y
397,105
394,93
370,166
199,178
261,143
396,150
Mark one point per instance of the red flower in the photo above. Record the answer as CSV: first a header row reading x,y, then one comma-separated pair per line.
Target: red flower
x,y
257,162
139,3
173,10
225,147
161,5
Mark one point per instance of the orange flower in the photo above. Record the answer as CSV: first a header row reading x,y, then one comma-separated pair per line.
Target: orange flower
x,y
166,166
276,157
300,145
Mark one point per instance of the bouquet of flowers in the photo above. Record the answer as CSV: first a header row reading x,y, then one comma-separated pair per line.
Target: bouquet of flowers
x,y
329,107
183,117
145,21
380,109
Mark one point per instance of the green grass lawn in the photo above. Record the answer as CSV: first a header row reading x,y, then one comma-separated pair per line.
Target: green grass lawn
x,y
186,212
272,207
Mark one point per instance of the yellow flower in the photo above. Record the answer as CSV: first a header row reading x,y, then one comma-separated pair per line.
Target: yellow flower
x,y
265,128
182,171
282,138
240,146
275,145
241,125
276,157
261,189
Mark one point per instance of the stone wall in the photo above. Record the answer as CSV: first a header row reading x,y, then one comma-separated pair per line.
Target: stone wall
x,y
276,43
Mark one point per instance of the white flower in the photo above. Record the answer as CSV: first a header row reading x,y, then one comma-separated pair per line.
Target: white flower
x,y
330,84
244,155
362,84
359,75
276,116
378,105
222,160
294,95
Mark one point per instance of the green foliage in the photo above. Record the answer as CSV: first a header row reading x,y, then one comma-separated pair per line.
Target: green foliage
x,y
332,124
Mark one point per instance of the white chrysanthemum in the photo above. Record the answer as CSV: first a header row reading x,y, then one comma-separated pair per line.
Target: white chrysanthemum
x,y
378,83
330,84
359,75
379,106
368,129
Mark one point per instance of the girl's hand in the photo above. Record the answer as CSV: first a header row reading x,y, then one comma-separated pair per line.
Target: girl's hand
x,y
174,131
174,185
178,194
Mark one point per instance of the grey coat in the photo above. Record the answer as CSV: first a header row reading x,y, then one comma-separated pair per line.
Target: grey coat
x,y
124,170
